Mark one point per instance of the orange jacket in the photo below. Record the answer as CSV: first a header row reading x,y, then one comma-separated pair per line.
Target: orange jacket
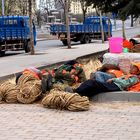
x,y
26,71
117,73
135,87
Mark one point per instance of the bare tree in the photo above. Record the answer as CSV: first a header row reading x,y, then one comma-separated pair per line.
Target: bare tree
x,y
31,30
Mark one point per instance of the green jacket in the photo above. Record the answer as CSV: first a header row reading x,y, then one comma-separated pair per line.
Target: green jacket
x,y
123,83
66,78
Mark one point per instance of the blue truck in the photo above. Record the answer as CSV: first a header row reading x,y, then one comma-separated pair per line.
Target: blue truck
x,y
85,32
15,33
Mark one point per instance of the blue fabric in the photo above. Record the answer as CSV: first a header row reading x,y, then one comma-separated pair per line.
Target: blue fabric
x,y
34,34
101,76
90,88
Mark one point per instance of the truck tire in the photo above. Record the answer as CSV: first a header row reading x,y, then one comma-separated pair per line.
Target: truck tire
x,y
27,46
2,53
105,37
65,42
87,38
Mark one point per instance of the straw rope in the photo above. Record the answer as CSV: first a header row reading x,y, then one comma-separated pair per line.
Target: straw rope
x,y
64,100
59,86
9,92
91,66
30,89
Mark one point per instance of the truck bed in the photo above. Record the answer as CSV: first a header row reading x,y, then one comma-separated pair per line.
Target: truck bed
x,y
13,34
78,28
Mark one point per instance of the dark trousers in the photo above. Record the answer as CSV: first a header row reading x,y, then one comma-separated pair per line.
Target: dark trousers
x,y
92,87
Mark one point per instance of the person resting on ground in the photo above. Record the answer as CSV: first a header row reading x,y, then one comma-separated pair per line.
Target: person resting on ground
x,y
92,87
106,72
70,73
31,71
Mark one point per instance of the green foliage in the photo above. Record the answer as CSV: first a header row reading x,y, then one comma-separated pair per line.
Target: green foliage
x,y
124,8
14,7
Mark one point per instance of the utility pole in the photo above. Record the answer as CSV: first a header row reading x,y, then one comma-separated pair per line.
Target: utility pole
x,y
31,28
67,23
102,28
3,9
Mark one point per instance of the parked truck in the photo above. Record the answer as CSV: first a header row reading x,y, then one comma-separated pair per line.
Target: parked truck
x,y
15,33
83,32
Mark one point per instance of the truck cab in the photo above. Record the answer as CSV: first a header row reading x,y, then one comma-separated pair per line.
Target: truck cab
x,y
15,33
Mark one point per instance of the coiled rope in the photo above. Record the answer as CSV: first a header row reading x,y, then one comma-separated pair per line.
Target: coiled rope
x,y
30,89
90,65
9,92
65,100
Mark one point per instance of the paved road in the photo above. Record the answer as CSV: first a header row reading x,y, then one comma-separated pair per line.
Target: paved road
x,y
17,63
131,32
51,44
102,122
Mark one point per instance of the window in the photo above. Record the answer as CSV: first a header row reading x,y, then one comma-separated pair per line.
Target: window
x,y
10,22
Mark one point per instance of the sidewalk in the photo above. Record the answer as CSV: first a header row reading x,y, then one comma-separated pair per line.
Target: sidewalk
x,y
13,64
111,121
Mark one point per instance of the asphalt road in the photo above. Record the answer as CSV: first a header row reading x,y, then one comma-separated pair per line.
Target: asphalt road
x,y
45,45
51,44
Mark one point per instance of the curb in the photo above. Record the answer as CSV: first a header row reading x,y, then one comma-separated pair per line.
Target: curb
x,y
53,64
117,96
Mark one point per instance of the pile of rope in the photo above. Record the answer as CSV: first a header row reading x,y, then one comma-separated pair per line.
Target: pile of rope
x,y
90,65
9,92
59,86
30,89
65,100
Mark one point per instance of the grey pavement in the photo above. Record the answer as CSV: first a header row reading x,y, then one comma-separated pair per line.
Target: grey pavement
x,y
110,121
13,64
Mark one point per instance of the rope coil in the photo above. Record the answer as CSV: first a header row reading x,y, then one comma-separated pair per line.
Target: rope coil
x,y
64,100
9,92
30,89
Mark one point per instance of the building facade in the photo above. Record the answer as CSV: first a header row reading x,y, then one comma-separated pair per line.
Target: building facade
x,y
75,8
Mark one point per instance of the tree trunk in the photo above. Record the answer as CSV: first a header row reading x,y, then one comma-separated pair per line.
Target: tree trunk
x,y
102,28
3,8
84,15
132,21
31,28
109,25
67,24
123,29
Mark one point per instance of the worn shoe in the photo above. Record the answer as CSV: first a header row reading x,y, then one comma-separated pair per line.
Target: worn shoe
x,y
69,89
49,82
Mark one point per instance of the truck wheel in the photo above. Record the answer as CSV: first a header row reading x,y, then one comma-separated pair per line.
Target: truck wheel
x,y
2,53
82,42
65,42
87,38
105,37
27,46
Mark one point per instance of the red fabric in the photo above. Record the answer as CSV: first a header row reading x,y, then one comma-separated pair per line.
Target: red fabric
x,y
127,44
